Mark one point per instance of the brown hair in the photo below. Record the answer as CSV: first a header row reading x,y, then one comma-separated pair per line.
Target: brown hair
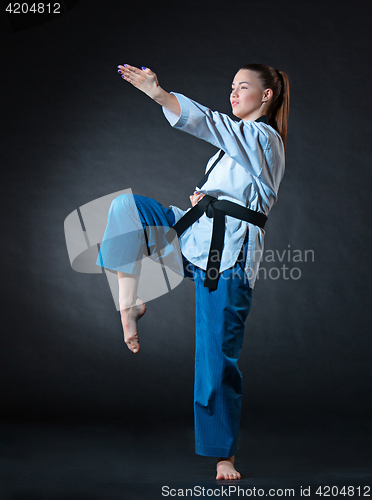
x,y
278,82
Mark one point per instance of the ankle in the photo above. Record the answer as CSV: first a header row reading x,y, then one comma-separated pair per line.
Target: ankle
x,y
226,459
126,304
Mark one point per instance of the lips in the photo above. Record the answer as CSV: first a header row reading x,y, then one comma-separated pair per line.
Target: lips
x,y
234,103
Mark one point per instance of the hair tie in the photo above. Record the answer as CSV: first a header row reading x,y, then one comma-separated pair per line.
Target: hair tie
x,y
279,73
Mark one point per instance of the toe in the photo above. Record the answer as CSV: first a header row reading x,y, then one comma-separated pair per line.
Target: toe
x,y
135,348
133,345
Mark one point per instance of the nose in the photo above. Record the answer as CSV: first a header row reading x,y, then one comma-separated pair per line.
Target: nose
x,y
234,93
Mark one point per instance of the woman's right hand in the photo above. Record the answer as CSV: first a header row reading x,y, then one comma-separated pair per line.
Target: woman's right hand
x,y
196,197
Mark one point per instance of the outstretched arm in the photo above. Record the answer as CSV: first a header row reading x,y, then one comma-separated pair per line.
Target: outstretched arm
x,y
147,81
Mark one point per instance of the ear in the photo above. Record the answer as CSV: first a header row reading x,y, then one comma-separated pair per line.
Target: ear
x,y
267,95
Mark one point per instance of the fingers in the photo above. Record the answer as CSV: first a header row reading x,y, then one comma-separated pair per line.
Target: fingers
x,y
144,79
128,70
135,79
194,200
196,197
147,70
133,69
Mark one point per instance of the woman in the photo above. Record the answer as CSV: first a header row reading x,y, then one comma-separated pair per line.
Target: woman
x,y
221,237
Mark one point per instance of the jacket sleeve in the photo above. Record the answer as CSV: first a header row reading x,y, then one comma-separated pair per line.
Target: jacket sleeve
x,y
254,145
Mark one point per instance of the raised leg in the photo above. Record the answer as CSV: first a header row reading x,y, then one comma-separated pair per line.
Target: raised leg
x,y
132,308
135,225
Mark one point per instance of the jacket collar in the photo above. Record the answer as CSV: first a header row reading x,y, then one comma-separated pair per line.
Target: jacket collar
x,y
263,118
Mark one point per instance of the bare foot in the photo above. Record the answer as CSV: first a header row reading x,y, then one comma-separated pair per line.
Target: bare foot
x,y
226,469
129,318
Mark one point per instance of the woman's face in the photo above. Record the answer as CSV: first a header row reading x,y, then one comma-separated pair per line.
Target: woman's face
x,y
248,98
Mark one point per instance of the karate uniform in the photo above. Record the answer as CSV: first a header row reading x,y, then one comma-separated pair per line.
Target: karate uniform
x,y
248,174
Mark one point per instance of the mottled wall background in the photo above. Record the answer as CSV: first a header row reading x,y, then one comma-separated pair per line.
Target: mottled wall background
x,y
73,131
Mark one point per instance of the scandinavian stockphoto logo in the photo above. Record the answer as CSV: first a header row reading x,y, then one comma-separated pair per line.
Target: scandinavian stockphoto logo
x,y
125,246
126,249
284,264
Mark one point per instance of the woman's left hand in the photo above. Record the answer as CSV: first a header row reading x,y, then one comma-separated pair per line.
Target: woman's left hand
x,y
196,197
146,80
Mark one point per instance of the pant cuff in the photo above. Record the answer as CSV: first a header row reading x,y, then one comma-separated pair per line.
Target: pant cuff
x,y
211,451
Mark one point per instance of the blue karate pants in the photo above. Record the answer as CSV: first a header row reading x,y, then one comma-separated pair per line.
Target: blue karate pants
x,y
219,327
137,226
219,331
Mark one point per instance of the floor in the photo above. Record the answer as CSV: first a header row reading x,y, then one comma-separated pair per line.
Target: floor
x,y
40,461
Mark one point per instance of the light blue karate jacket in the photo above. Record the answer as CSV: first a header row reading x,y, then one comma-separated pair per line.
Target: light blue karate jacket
x,y
248,174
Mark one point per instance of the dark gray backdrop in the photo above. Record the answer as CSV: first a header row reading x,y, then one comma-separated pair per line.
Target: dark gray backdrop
x,y
74,131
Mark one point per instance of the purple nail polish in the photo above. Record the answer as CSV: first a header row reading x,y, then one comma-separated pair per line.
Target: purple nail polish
x,y
143,67
119,70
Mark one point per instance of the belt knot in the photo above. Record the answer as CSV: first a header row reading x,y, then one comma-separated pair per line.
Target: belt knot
x,y
206,203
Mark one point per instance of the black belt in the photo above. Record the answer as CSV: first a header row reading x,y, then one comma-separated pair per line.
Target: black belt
x,y
217,209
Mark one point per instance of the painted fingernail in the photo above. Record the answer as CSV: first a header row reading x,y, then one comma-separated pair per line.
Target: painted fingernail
x,y
122,76
125,65
143,67
119,70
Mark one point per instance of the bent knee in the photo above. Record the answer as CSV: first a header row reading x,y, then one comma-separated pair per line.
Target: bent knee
x,y
123,203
